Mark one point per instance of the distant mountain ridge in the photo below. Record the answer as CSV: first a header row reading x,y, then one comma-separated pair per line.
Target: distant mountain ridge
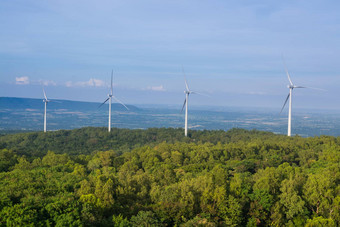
x,y
30,103
22,114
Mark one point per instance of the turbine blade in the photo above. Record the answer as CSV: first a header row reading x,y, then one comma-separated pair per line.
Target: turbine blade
x,y
299,87
198,93
186,84
111,81
185,80
314,88
185,100
120,102
285,103
44,94
284,63
103,103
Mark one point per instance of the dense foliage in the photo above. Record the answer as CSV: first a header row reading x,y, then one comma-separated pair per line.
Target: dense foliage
x,y
87,140
157,177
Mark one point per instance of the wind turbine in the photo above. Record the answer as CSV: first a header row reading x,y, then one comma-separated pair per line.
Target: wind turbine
x,y
45,115
291,86
110,96
187,93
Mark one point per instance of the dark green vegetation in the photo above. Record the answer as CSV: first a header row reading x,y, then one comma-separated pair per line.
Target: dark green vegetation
x,y
156,177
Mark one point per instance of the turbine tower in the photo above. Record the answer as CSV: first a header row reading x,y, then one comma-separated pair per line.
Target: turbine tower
x,y
187,93
45,115
110,96
291,86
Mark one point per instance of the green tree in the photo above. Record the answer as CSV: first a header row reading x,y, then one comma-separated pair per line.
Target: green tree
x,y
292,202
320,222
145,218
7,159
319,192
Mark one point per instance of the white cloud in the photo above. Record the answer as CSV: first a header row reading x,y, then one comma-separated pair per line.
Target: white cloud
x,y
89,83
22,80
96,83
68,84
47,82
156,88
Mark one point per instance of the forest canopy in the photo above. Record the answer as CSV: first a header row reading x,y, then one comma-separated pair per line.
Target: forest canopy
x,y
158,177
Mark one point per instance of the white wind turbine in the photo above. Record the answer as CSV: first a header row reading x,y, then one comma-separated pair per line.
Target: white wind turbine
x,y
110,96
45,115
187,93
291,86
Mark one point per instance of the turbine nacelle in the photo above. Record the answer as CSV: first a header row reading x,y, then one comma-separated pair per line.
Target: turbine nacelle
x,y
293,86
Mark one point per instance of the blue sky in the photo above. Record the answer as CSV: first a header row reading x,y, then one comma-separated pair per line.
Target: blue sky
x,y
230,50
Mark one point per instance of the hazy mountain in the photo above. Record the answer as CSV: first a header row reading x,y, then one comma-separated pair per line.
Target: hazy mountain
x,y
27,103
22,114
